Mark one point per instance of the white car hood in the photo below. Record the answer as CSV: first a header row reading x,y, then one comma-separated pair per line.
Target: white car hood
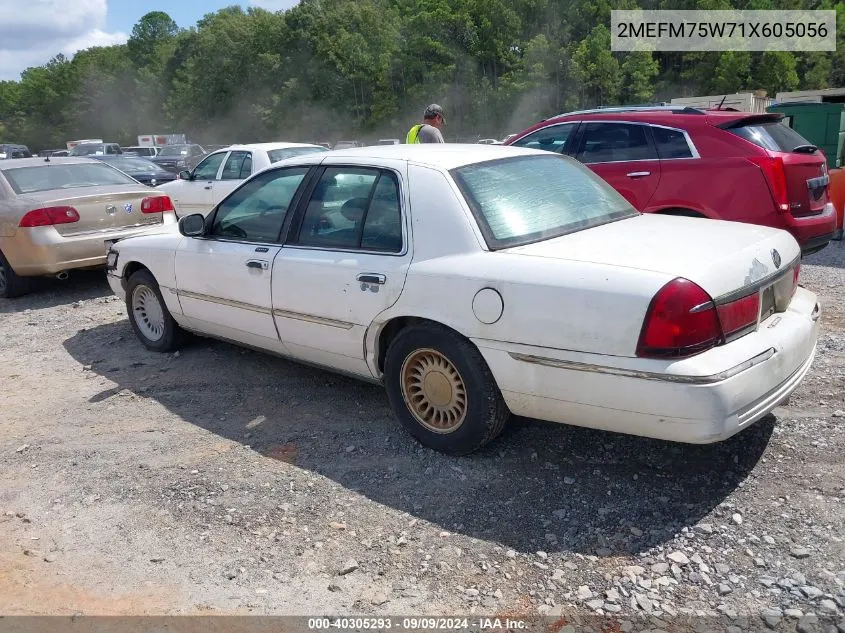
x,y
719,256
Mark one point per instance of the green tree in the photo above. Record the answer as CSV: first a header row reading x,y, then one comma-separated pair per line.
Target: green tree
x,y
639,71
732,73
776,72
597,68
151,31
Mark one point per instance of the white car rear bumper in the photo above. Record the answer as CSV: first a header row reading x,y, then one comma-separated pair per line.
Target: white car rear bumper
x,y
699,400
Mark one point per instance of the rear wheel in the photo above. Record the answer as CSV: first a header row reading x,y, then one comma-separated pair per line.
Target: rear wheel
x,y
149,315
442,390
11,284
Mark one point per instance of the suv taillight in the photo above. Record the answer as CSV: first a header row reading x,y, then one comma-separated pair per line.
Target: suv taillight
x,y
156,204
681,321
775,173
48,216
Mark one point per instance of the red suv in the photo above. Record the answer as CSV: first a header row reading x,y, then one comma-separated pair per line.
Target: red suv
x,y
718,164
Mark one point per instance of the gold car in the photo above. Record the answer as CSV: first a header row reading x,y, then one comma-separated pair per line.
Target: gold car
x,y
57,213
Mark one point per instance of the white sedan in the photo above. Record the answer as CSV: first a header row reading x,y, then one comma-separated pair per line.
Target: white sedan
x,y
218,174
476,282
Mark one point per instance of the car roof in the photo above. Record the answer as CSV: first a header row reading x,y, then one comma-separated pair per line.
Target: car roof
x,y
436,155
659,117
36,161
268,146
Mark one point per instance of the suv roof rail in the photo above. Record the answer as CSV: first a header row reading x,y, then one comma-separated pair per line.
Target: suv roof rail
x,y
655,108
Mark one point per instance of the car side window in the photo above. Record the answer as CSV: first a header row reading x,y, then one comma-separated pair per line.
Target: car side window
x,y
353,208
671,143
256,211
207,169
615,142
232,168
552,138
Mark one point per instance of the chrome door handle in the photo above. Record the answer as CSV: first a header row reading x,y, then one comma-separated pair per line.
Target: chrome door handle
x,y
638,174
258,263
371,278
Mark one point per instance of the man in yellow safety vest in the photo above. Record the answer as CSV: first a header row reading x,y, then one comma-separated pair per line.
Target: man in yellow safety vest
x,y
429,130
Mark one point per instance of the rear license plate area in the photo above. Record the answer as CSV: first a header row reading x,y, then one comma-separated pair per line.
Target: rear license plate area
x,y
768,306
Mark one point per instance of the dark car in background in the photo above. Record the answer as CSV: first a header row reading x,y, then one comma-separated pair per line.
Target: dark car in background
x,y
13,150
141,169
178,158
141,150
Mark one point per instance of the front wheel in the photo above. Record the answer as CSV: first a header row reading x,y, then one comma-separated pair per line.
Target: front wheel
x,y
149,316
442,390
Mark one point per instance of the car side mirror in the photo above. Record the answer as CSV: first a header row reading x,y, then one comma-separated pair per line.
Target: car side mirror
x,y
192,225
185,175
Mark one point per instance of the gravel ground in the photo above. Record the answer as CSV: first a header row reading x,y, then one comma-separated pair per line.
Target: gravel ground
x,y
220,480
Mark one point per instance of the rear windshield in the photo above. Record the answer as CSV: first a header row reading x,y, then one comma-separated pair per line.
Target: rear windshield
x,y
532,198
275,155
47,177
774,136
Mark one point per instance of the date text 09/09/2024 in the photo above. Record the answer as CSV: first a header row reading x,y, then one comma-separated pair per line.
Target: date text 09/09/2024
x,y
417,624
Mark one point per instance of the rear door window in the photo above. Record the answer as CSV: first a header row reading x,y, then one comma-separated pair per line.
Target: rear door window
x,y
774,136
615,142
234,165
671,143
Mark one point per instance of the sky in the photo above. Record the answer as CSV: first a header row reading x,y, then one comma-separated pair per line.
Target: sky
x,y
34,31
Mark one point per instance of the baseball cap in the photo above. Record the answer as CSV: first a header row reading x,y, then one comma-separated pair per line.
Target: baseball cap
x,y
433,110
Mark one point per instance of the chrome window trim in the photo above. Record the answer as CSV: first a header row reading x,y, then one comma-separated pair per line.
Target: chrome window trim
x,y
690,144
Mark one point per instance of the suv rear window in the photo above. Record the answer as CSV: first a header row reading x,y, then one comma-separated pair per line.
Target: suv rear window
x,y
775,135
532,198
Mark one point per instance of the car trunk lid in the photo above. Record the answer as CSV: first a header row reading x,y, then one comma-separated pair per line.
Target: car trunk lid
x,y
725,258
110,208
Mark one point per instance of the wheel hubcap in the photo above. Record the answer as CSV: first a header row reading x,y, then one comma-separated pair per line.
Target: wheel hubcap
x,y
434,391
148,313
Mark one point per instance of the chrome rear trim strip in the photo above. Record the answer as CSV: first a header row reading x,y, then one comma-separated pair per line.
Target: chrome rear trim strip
x,y
645,375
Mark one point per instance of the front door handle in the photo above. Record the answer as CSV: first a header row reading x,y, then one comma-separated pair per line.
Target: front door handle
x,y
638,174
258,263
207,187
371,278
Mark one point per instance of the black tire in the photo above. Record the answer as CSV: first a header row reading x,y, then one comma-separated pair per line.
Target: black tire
x,y
484,412
141,284
11,284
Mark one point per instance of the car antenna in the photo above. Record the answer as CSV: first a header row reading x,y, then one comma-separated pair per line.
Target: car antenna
x,y
719,107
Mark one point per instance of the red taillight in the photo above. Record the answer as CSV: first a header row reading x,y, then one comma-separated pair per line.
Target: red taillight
x,y
156,204
49,216
681,321
775,173
740,314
